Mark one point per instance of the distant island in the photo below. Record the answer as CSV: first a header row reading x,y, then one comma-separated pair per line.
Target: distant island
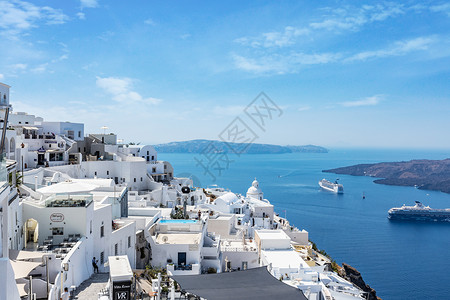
x,y
198,146
423,174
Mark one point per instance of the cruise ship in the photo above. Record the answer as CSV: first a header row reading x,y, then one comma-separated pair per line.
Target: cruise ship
x,y
331,187
419,212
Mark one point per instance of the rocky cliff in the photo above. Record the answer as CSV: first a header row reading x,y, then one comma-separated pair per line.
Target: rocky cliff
x,y
424,174
352,275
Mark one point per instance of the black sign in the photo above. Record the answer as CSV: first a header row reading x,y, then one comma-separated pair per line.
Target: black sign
x,y
122,290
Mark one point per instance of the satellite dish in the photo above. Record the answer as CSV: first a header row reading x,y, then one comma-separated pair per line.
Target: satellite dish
x,y
185,190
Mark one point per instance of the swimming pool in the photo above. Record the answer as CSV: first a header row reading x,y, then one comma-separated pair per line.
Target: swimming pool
x,y
177,221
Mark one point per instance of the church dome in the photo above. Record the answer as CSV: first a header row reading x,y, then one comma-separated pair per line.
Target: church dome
x,y
254,191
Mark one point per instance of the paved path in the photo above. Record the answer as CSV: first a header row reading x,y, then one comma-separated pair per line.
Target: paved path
x,y
90,288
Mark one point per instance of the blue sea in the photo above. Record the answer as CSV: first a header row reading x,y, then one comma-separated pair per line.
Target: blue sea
x,y
400,260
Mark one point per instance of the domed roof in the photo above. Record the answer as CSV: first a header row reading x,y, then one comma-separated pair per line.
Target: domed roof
x,y
254,189
229,198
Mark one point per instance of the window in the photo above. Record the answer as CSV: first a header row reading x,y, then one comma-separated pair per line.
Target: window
x,y
134,179
129,241
153,170
26,122
79,149
95,173
79,133
141,179
102,231
20,122
116,249
49,145
148,153
57,231
107,172
102,258
153,158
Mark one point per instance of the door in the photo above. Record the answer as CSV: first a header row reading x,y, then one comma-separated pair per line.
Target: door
x,y
182,258
40,159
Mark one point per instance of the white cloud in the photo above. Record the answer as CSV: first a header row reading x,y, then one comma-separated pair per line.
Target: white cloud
x,y
281,64
149,21
274,38
19,67
81,16
304,108
369,101
2,76
444,8
399,48
231,110
89,3
40,69
105,36
353,18
121,90
19,16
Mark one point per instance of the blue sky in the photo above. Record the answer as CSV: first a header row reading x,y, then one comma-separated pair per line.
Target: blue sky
x,y
345,73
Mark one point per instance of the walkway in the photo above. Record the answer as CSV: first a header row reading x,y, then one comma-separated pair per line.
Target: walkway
x,y
90,288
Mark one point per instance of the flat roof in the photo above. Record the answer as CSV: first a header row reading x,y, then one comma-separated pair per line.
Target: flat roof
x,y
119,268
272,234
250,284
284,258
179,238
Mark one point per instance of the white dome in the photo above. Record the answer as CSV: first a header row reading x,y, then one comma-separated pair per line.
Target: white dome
x,y
254,190
229,198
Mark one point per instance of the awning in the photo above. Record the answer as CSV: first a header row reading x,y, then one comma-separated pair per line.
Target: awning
x,y
24,255
255,284
23,268
30,128
21,288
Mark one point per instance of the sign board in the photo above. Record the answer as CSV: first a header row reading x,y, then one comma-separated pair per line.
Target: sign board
x,y
56,217
122,290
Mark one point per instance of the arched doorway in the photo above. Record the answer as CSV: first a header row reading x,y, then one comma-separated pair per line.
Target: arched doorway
x,y
31,230
12,149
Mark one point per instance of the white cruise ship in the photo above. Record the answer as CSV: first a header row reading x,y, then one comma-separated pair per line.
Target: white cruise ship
x,y
331,187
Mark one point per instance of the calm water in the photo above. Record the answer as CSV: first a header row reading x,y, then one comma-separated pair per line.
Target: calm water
x,y
399,260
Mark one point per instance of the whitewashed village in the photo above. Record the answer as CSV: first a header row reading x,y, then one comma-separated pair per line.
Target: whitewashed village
x,y
84,216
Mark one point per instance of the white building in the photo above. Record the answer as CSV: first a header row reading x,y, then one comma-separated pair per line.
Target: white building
x,y
254,191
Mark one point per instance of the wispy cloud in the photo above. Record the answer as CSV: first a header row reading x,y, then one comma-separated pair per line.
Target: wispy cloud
x,y
42,68
149,21
2,76
281,64
275,38
353,18
231,110
304,108
368,101
399,48
81,16
105,36
19,16
19,67
291,62
89,3
121,90
444,8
